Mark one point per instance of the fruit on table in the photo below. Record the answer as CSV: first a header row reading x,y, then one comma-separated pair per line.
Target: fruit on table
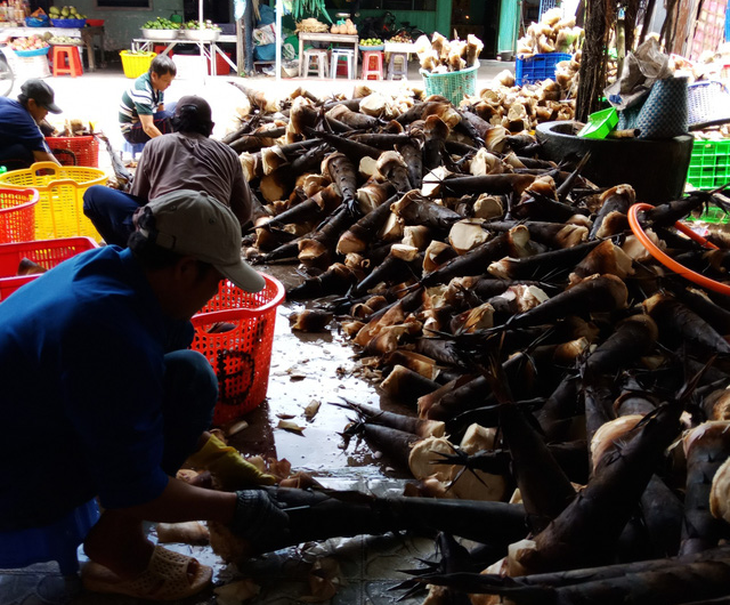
x,y
64,40
371,42
207,24
65,12
161,23
402,38
348,27
33,42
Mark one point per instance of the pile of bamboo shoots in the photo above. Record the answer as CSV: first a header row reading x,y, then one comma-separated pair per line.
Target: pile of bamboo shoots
x,y
553,34
441,55
567,390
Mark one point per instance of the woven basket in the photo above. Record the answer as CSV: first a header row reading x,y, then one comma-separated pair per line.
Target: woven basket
x,y
454,85
708,103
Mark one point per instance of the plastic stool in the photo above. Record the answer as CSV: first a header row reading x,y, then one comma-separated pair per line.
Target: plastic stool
x,y
372,65
398,66
319,55
133,148
342,53
67,60
58,541
160,48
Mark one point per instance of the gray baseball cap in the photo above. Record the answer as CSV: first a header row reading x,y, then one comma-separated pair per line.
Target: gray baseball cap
x,y
193,223
41,93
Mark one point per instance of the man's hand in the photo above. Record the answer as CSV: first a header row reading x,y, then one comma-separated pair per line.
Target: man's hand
x,y
259,520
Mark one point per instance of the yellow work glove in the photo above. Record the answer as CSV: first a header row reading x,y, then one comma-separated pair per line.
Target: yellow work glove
x,y
228,466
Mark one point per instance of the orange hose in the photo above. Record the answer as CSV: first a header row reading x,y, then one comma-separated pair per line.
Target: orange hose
x,y
669,262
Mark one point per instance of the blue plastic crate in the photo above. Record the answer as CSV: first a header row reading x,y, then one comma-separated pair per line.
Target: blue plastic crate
x,y
538,67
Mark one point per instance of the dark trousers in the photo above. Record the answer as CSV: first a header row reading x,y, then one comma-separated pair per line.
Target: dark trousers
x,y
110,211
161,120
191,392
16,157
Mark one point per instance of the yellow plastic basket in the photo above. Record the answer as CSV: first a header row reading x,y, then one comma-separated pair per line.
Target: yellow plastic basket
x,y
135,64
59,212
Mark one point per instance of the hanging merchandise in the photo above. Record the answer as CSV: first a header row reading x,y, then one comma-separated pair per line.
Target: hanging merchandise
x,y
301,8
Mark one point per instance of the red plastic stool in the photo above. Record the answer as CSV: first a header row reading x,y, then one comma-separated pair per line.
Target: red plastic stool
x,y
67,60
372,65
160,48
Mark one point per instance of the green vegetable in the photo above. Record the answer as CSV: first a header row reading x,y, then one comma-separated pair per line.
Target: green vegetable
x,y
301,8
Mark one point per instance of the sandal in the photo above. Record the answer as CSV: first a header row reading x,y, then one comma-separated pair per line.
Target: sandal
x,y
165,579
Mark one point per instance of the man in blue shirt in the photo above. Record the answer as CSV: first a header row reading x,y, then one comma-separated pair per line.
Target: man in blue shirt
x,y
21,141
93,357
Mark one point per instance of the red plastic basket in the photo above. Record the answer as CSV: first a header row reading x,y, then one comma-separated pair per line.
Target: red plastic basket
x,y
84,149
47,253
240,356
17,214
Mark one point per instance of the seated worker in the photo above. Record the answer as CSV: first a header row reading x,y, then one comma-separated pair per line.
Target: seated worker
x,y
142,114
21,141
93,356
186,158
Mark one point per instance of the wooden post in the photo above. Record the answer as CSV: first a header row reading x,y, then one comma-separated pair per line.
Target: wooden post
x,y
593,62
239,46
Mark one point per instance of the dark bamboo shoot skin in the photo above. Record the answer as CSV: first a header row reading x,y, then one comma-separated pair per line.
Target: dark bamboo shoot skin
x,y
409,424
665,215
394,443
633,338
542,208
335,280
664,583
602,294
471,263
353,149
679,325
616,199
588,529
559,408
711,312
544,487
413,157
707,447
495,184
541,266
598,405
329,514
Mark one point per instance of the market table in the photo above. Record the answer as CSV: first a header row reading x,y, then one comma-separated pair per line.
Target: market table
x,y
86,34
404,48
344,39
148,43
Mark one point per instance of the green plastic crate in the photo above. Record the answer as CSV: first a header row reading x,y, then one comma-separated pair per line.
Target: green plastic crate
x,y
709,166
712,215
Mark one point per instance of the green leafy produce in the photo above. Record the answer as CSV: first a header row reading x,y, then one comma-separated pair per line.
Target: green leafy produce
x,y
161,23
303,8
194,24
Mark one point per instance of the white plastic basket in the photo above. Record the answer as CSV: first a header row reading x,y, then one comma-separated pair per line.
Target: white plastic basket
x,y
708,103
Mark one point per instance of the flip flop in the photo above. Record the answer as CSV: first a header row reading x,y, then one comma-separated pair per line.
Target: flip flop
x,y
165,579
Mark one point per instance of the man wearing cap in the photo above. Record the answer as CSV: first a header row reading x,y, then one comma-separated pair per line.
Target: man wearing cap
x,y
21,141
94,359
186,158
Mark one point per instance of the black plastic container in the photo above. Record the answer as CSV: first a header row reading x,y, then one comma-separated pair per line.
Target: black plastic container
x,y
656,169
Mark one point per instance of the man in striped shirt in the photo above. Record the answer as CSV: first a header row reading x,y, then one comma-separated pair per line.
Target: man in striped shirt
x,y
142,114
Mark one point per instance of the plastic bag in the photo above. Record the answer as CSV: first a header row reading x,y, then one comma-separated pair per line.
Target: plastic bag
x,y
640,71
